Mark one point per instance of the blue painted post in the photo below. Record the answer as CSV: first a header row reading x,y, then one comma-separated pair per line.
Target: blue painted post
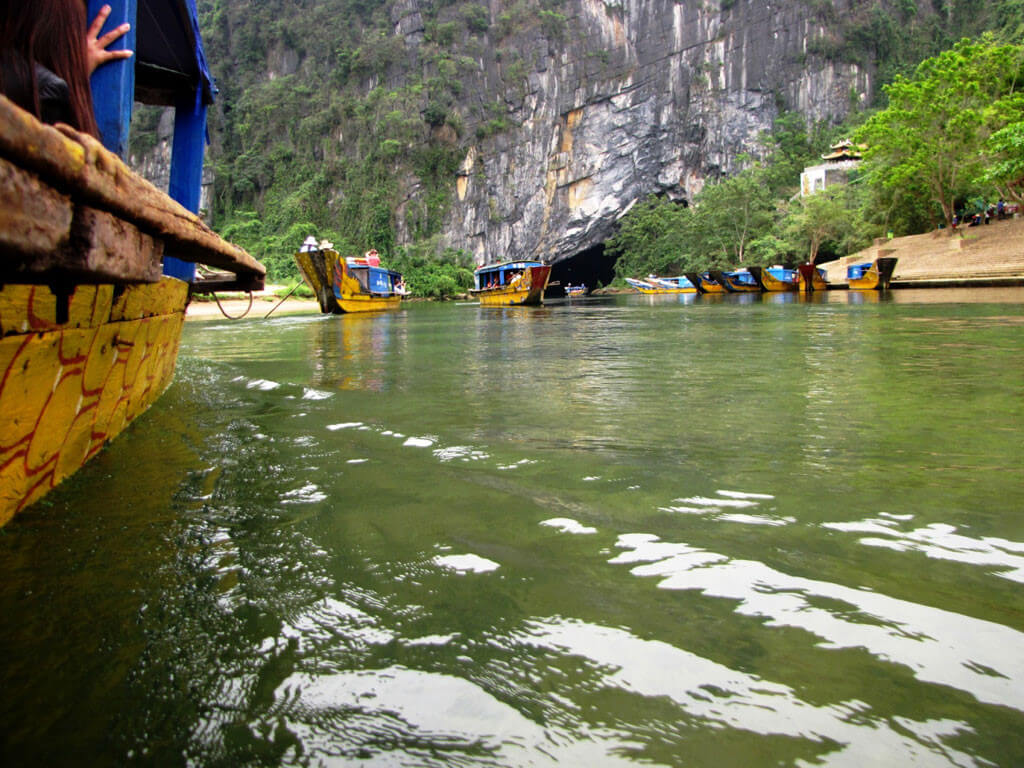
x,y
186,169
113,84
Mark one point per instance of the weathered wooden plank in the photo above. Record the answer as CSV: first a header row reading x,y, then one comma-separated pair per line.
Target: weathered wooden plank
x,y
105,249
79,166
35,220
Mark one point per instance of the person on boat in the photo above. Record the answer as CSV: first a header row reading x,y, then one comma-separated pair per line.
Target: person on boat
x,y
308,245
47,55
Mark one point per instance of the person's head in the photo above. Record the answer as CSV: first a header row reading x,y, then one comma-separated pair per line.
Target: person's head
x,y
51,33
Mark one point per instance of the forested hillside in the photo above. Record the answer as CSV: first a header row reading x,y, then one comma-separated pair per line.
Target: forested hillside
x,y
358,120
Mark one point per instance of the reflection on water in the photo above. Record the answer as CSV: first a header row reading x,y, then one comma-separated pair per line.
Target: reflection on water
x,y
733,530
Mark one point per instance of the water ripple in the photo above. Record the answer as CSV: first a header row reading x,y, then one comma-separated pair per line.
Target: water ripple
x,y
938,646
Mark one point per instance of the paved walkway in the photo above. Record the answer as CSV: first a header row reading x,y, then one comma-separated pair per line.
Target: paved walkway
x,y
987,253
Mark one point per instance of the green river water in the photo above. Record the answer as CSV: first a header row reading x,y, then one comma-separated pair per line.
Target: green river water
x,y
697,532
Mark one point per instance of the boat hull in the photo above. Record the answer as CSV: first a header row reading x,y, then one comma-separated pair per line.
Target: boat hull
x,y
769,283
528,291
703,284
877,278
731,285
67,389
811,279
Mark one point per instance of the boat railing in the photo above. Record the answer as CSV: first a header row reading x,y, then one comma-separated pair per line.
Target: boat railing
x,y
62,188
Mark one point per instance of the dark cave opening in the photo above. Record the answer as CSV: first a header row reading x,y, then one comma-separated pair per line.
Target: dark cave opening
x,y
591,267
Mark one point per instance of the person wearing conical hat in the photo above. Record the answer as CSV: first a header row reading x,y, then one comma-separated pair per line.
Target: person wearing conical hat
x,y
308,245
326,245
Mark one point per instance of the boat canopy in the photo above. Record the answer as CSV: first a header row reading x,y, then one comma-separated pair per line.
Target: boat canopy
x,y
856,271
785,275
742,276
169,57
501,273
378,279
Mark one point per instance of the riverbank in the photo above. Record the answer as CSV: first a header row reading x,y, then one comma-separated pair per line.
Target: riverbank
x,y
263,302
991,254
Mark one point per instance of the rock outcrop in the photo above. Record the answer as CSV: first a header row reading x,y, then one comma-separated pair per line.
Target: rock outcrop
x,y
637,97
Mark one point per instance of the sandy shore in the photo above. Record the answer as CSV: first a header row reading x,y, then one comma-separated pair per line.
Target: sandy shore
x,y
262,303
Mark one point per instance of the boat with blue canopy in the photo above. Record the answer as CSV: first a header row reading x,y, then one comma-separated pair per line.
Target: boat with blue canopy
x,y
351,284
511,283
776,279
740,281
871,275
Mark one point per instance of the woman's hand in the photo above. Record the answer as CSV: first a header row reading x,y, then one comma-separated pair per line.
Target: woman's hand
x,y
96,52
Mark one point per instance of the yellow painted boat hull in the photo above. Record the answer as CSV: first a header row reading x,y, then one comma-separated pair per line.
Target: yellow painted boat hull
x,y
875,278
773,285
67,389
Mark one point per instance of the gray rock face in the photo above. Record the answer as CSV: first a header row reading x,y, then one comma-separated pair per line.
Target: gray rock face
x,y
634,97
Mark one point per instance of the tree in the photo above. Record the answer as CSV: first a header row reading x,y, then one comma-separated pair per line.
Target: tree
x,y
652,237
938,121
729,215
1005,152
823,216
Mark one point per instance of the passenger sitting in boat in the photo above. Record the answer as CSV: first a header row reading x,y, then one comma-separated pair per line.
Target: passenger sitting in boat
x,y
308,245
47,55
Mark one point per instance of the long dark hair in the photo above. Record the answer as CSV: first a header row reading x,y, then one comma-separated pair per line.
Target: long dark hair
x,y
50,33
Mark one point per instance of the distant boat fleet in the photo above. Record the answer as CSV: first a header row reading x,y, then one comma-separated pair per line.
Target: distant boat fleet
x,y
867,276
361,284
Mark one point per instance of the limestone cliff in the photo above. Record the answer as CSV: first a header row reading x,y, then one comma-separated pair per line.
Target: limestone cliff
x,y
636,97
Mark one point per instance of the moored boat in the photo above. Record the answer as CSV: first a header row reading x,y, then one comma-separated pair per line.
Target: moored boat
x,y
511,283
812,278
349,284
704,283
776,279
575,291
871,276
91,309
740,281
662,285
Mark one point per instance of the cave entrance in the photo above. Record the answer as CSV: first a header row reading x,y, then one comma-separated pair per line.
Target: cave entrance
x,y
592,267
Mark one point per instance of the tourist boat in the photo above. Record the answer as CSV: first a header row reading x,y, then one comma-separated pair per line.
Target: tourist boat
x,y
575,291
661,285
704,283
871,276
812,278
775,279
740,281
511,283
91,311
349,284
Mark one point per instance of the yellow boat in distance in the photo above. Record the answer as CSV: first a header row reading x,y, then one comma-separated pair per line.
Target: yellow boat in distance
x,y
775,279
511,283
350,284
661,285
812,278
871,276
704,283
740,281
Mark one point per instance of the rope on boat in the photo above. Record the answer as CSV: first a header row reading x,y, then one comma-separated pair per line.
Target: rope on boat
x,y
232,317
280,302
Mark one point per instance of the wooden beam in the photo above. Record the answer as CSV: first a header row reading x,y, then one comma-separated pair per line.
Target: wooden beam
x,y
35,220
78,166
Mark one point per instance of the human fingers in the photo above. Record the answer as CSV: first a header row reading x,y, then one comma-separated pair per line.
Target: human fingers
x,y
98,22
114,34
